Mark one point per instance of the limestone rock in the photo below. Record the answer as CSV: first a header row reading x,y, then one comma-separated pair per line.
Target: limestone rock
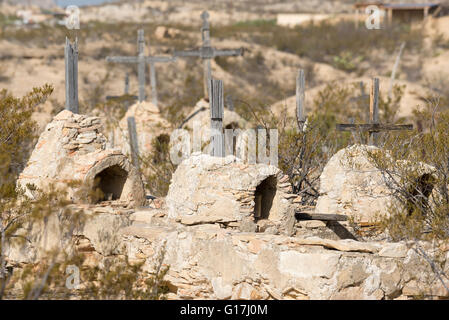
x,y
341,245
306,265
149,125
203,220
350,184
394,250
221,291
201,114
86,161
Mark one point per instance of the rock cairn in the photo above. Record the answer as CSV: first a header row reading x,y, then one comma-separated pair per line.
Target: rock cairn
x,y
206,189
72,149
81,134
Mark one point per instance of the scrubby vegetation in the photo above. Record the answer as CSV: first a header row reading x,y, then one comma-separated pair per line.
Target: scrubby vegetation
x,y
324,41
415,166
24,219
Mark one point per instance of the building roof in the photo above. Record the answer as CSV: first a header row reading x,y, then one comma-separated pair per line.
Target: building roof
x,y
409,6
366,4
397,6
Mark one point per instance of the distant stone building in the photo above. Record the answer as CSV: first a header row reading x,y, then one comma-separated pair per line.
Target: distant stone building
x,y
404,12
400,12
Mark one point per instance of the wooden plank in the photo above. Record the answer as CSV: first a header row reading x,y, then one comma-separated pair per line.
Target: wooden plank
x,y
205,29
153,84
229,142
71,75
216,114
126,84
320,216
159,59
228,52
207,77
133,143
374,110
375,127
120,59
187,53
300,98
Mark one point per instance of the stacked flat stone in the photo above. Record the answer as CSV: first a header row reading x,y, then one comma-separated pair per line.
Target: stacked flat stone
x,y
81,134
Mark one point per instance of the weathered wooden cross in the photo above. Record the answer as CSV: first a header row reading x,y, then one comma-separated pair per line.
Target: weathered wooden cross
x,y
374,127
216,118
71,75
141,60
207,52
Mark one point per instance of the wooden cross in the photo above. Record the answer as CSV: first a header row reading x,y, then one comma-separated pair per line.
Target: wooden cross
x,y
373,127
216,118
126,91
71,75
133,143
207,52
141,60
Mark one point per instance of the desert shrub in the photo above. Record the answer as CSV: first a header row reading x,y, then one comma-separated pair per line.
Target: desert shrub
x,y
346,61
305,149
337,43
20,214
157,166
416,170
17,134
192,92
121,279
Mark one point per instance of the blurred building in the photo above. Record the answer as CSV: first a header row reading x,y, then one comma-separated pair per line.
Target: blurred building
x,y
294,19
399,12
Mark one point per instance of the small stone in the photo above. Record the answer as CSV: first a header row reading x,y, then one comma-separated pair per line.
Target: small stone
x,y
71,146
71,125
192,220
394,250
86,137
221,291
248,225
312,224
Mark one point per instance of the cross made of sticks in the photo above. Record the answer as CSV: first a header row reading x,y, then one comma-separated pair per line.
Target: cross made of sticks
x,y
207,52
141,60
374,126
